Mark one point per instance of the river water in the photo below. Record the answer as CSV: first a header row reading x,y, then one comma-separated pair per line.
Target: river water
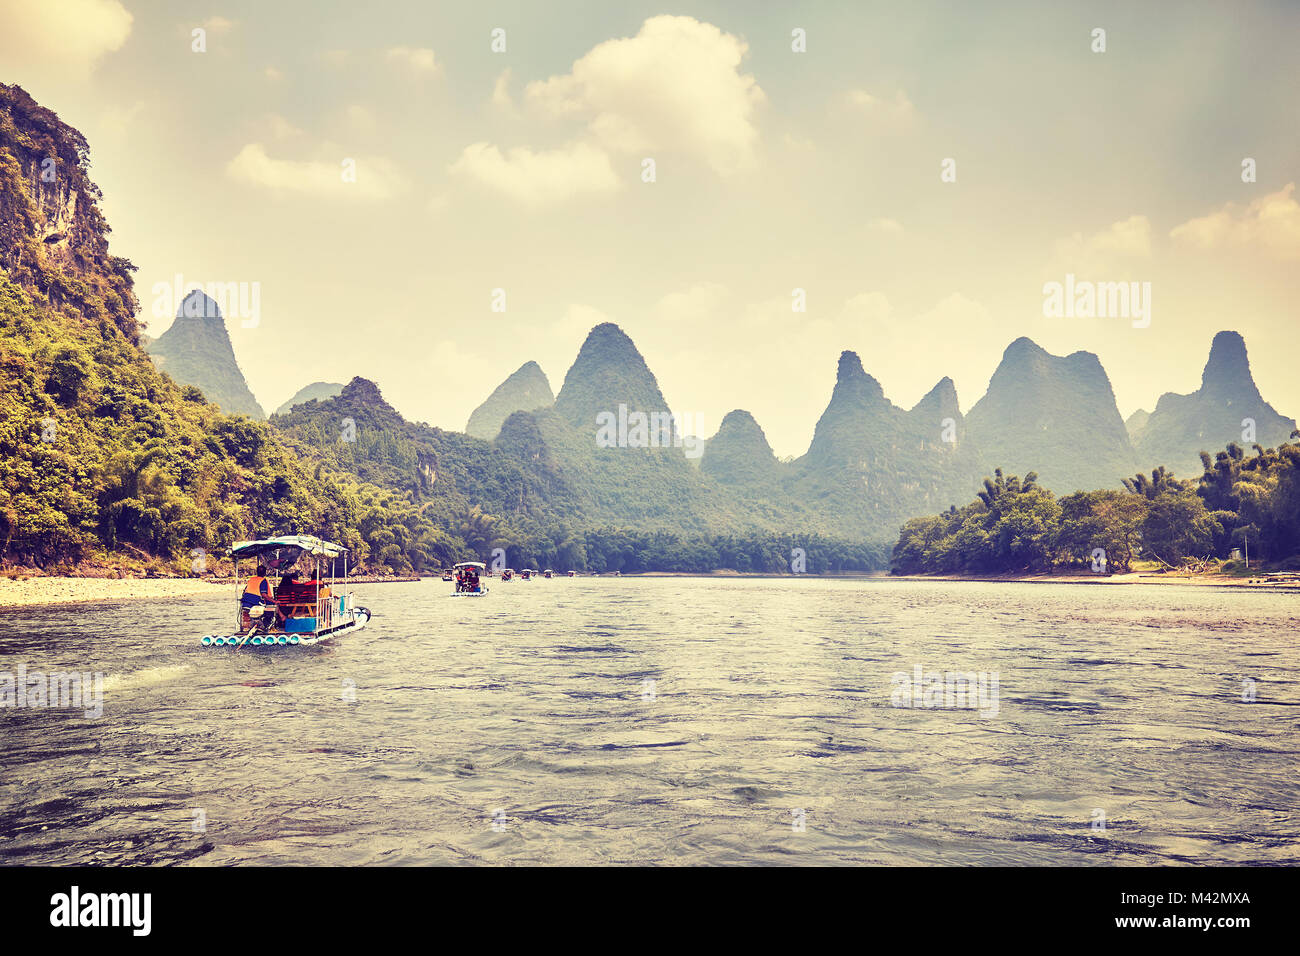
x,y
670,720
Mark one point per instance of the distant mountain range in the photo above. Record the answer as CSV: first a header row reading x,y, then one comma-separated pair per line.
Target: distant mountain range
x,y
871,464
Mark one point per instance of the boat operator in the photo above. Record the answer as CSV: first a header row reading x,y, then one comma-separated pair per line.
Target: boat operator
x,y
257,590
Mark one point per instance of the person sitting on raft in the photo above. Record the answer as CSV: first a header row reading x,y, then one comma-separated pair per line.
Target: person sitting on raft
x,y
257,591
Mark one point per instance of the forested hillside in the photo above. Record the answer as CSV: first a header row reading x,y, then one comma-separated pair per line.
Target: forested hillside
x,y
101,455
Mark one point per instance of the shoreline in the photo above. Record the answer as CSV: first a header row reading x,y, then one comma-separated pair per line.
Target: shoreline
x,y
1070,577
1131,578
49,590
45,590
41,591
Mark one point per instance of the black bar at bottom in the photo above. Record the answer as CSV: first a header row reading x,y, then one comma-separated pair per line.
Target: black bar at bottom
x,y
333,906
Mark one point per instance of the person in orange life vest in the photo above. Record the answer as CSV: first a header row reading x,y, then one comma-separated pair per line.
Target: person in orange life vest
x,y
257,590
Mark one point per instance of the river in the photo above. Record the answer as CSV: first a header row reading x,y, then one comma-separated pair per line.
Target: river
x,y
670,721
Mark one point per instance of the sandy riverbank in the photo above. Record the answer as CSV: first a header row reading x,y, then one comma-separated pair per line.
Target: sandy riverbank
x,y
39,590
36,591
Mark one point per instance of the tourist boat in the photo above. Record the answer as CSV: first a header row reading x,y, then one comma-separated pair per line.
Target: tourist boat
x,y
548,573
302,612
448,575
573,574
526,574
469,581
507,574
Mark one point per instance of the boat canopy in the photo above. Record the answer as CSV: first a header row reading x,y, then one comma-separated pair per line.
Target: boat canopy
x,y
471,564
302,543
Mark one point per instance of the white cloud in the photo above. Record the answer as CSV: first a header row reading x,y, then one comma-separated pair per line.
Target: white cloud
x,y
501,91
376,178
416,59
676,85
1092,255
538,178
798,144
578,320
867,309
117,120
1270,224
357,120
702,302
65,35
883,224
894,111
280,127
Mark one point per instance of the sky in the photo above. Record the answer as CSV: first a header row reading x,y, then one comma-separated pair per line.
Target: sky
x,y
918,171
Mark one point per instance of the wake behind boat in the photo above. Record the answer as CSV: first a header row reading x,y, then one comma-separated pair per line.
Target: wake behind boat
x,y
296,611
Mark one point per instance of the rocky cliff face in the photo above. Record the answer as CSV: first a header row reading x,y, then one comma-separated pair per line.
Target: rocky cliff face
x,y
53,238
1226,408
196,350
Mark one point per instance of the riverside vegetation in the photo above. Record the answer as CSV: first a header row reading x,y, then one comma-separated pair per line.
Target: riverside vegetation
x,y
1249,503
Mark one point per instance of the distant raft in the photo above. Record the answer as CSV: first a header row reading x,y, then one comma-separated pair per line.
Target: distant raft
x,y
468,576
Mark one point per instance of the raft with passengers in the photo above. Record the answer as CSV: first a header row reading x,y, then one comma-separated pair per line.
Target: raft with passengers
x,y
469,579
298,610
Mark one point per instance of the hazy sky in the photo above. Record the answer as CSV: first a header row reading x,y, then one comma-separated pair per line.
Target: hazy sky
x,y
522,170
